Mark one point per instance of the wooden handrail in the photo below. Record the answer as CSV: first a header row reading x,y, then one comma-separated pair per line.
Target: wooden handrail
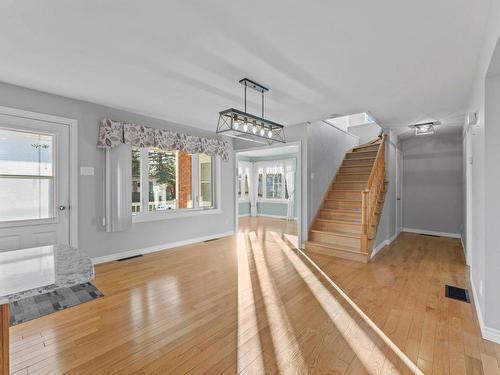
x,y
371,195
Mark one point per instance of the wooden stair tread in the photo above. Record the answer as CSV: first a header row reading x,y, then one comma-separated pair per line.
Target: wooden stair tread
x,y
361,152
350,249
356,166
347,190
361,159
343,199
340,210
334,221
341,234
343,174
347,182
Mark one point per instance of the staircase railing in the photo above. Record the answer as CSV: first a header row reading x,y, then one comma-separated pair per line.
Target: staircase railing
x,y
370,197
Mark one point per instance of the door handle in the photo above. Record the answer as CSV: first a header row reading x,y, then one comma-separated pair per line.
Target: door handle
x,y
62,208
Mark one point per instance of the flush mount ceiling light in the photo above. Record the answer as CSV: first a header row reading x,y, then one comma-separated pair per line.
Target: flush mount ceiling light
x,y
425,128
241,124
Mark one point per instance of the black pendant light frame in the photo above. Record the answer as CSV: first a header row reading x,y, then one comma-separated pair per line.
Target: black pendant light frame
x,y
241,124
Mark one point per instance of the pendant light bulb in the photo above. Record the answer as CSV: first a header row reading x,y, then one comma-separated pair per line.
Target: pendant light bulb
x,y
254,129
245,128
236,124
262,132
270,134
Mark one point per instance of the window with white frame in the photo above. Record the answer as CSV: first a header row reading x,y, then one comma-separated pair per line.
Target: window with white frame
x,y
272,184
171,180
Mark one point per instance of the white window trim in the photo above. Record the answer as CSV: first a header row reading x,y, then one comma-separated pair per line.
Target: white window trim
x,y
146,216
264,198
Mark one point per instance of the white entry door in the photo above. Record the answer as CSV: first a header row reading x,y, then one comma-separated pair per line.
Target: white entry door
x,y
34,183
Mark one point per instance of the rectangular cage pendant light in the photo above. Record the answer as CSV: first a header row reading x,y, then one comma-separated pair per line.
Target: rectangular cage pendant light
x,y
243,125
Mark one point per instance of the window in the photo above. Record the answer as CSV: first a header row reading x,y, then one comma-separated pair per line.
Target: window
x,y
259,188
26,176
136,179
167,181
275,186
206,180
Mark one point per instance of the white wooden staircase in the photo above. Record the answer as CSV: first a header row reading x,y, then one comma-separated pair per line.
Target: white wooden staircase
x,y
347,220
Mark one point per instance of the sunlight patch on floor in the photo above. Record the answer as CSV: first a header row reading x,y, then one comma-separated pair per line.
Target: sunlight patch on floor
x,y
288,354
360,342
247,315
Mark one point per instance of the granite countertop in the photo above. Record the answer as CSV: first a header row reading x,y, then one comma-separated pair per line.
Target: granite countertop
x,y
38,270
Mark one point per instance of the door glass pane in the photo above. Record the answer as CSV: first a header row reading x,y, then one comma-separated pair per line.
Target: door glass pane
x,y
206,180
162,180
24,153
26,198
26,175
136,180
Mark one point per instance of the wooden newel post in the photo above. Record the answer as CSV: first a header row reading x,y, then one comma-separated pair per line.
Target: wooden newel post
x,y
4,339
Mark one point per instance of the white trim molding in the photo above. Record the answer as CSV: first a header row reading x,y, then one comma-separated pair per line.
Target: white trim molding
x,y
488,333
432,232
156,248
73,162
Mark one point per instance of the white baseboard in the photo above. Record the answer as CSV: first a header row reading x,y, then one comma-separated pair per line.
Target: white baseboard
x,y
272,216
488,333
432,232
152,249
383,244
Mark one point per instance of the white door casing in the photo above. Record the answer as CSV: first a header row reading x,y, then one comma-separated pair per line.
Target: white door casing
x,y
399,191
56,221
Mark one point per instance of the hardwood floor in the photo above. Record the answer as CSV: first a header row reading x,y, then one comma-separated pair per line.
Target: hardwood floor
x,y
249,304
402,291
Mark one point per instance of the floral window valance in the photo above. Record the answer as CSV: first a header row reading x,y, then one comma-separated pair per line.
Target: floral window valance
x,y
113,133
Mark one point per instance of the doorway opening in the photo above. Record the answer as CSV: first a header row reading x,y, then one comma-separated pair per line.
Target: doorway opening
x,y
268,189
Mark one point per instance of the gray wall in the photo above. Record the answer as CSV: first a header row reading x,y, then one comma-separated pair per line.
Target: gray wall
x,y
432,182
485,284
326,147
387,226
92,237
492,199
365,133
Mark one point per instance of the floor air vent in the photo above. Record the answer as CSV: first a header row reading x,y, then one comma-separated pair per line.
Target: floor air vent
x,y
457,293
132,257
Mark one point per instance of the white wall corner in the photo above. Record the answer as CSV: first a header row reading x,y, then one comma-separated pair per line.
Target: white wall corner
x,y
383,244
155,248
487,333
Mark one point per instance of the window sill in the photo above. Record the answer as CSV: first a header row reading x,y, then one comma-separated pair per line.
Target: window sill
x,y
155,216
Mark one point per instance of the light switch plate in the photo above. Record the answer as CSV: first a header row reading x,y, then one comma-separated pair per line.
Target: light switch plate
x,y
86,171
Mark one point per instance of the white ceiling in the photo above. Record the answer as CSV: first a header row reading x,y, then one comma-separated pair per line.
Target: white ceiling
x,y
402,61
274,151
